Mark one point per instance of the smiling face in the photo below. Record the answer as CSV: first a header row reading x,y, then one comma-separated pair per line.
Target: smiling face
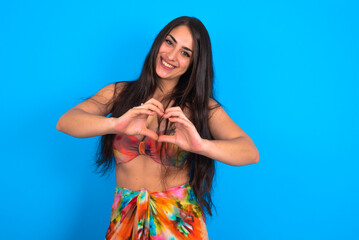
x,y
175,54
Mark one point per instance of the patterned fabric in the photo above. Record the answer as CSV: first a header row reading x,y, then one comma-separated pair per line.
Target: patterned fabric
x,y
171,214
127,147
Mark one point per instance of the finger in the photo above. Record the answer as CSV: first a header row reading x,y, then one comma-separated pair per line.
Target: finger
x,y
181,121
176,114
167,138
149,133
170,111
173,109
142,111
156,103
152,107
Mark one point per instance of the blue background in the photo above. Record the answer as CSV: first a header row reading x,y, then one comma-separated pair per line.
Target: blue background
x,y
286,72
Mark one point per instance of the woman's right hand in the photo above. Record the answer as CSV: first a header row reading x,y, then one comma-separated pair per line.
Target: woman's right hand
x,y
133,122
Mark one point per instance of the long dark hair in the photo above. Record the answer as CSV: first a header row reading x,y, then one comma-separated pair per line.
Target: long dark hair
x,y
193,92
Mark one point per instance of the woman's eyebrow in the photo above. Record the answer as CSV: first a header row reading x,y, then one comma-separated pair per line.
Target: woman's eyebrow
x,y
172,38
186,48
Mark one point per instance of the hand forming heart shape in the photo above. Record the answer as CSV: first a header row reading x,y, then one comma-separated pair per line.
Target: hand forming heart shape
x,y
133,122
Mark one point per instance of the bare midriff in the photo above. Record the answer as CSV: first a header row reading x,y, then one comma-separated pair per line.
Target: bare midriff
x,y
144,173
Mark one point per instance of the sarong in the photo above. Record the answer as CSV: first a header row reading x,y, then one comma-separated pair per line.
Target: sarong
x,y
170,214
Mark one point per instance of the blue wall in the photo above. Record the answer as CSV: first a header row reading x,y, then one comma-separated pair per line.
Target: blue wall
x,y
286,72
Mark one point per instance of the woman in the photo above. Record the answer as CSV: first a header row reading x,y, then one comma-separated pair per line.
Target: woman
x,y
164,130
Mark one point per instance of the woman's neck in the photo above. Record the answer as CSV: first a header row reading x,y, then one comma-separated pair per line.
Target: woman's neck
x,y
164,87
162,92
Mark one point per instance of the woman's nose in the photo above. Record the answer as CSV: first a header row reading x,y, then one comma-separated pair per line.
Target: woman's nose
x,y
171,54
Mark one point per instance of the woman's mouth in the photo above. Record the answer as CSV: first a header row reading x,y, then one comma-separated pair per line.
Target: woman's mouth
x,y
166,65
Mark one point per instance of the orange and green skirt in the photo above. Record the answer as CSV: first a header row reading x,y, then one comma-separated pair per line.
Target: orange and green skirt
x,y
171,214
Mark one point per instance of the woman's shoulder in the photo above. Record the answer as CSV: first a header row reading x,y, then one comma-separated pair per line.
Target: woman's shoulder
x,y
213,105
101,102
109,92
112,90
212,102
118,87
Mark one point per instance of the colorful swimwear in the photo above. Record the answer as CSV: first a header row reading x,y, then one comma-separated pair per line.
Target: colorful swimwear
x,y
127,147
171,214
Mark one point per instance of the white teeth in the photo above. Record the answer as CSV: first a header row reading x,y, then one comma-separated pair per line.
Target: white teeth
x,y
166,64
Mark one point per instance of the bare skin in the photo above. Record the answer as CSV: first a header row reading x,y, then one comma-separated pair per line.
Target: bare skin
x,y
142,171
231,145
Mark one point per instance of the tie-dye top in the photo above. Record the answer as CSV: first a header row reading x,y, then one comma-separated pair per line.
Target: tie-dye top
x,y
127,147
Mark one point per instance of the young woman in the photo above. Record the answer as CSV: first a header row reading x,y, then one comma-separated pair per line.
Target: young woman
x,y
163,133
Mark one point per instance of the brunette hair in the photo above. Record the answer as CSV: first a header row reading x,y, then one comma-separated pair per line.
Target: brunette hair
x,y
193,92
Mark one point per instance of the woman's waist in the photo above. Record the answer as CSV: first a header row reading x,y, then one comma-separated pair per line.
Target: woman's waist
x,y
151,181
144,166
150,184
153,190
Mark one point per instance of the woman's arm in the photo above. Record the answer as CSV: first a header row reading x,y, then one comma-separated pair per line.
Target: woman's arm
x,y
231,145
88,119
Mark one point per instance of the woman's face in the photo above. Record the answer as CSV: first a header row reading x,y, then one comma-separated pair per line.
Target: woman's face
x,y
175,54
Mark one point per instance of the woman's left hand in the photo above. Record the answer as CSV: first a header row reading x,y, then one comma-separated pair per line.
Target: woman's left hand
x,y
186,135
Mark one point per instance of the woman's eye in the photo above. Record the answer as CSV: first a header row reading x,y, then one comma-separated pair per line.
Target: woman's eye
x,y
186,54
168,42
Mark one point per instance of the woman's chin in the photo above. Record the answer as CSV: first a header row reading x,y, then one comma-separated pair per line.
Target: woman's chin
x,y
163,75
